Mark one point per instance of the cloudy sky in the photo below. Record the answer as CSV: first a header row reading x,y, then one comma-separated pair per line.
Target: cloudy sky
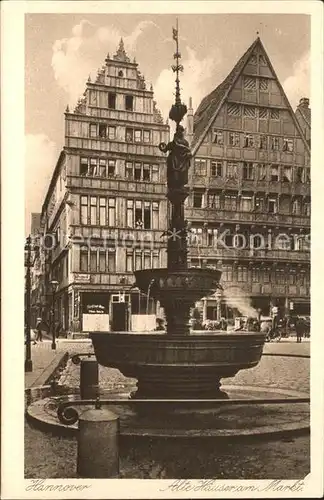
x,y
61,50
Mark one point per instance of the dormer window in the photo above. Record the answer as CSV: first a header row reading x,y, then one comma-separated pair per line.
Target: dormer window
x,y
129,102
120,74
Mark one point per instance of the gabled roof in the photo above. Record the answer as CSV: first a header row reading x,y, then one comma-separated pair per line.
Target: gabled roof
x,y
306,114
212,103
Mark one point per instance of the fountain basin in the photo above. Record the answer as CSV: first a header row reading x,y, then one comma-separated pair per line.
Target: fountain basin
x,y
178,366
187,285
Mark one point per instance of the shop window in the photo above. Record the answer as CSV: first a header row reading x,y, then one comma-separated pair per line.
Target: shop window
x,y
129,102
216,169
111,133
248,171
84,261
218,137
288,145
200,167
197,199
102,130
111,100
234,109
129,134
234,139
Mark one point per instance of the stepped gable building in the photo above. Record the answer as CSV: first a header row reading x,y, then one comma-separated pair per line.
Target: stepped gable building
x,y
106,203
249,205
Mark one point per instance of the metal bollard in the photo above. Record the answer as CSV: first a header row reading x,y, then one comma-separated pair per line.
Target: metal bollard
x,y
98,447
89,379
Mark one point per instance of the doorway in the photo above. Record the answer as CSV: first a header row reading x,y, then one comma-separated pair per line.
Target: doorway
x,y
119,322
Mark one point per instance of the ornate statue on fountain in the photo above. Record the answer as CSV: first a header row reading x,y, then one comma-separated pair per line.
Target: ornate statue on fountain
x,y
179,158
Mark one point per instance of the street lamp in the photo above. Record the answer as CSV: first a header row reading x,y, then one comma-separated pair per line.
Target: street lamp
x,y
54,285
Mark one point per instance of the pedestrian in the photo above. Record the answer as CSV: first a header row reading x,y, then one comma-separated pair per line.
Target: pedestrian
x,y
39,334
299,325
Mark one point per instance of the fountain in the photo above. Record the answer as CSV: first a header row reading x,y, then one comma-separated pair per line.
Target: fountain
x,y
177,363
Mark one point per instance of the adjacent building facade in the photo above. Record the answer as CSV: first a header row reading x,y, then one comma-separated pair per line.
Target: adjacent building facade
x,y
249,205
105,210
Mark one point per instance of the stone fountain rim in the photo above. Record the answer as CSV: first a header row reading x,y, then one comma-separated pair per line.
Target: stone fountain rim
x,y
203,334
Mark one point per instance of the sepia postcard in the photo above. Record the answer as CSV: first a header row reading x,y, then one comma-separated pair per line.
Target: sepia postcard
x,y
162,245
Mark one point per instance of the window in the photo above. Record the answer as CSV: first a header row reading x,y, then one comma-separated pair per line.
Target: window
x,y
102,261
111,212
262,60
211,237
242,273
249,83
234,139
255,274
129,170
288,145
218,137
262,172
274,143
256,242
230,202
138,171
280,276
111,133
231,170
129,261
138,260
147,260
84,261
266,275
156,259
306,208
129,101
138,136
155,173
111,168
287,174
272,206
102,168
111,261
216,169
263,113
102,130
248,171
263,142
93,130
292,277
130,213
93,210
145,215
227,272
146,136
307,174
102,211
213,200
129,135
300,174
197,199
248,141
84,210
111,100
249,111
263,84
274,173
155,215
274,114
234,109
253,59
120,74
146,172
200,167
296,207
246,203
83,166
93,261
259,204
93,167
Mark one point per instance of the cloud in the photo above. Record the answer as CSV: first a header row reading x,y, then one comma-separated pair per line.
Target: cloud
x,y
297,85
41,156
195,81
79,56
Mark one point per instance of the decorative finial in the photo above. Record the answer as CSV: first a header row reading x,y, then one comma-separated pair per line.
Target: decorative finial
x,y
151,87
108,56
178,110
67,109
257,33
89,79
134,60
121,54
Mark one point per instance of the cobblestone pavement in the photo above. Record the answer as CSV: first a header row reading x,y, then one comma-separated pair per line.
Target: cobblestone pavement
x,y
48,456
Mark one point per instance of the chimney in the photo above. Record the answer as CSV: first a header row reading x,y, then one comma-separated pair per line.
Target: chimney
x,y
190,122
304,102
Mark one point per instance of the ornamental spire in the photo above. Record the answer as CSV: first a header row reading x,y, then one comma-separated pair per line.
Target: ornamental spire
x,y
178,109
121,54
